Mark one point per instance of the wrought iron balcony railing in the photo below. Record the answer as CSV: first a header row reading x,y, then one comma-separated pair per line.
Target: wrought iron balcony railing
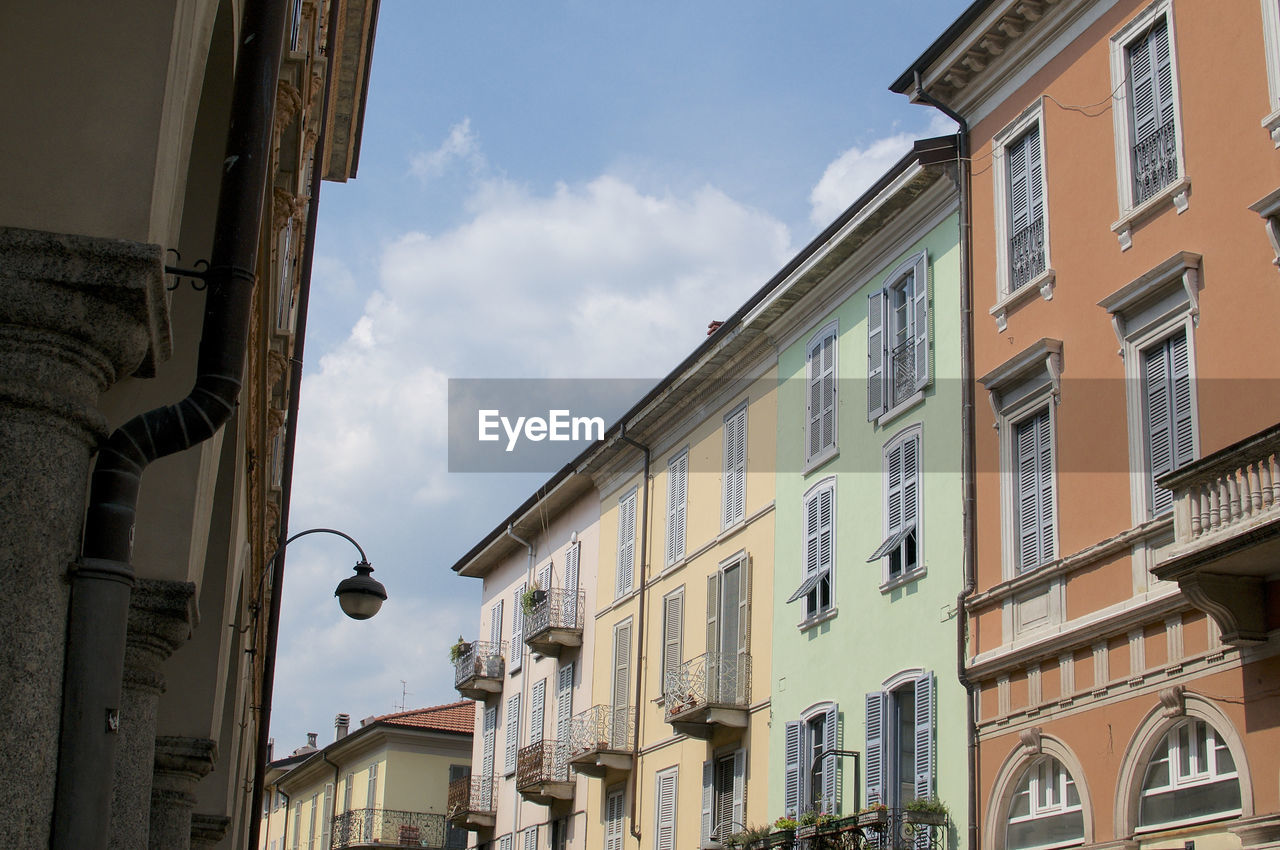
x,y
602,727
902,363
1026,254
388,828
555,621
479,661
712,679
879,829
1155,162
541,763
470,795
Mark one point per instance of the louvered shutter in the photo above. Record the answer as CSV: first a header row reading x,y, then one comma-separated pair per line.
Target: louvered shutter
x,y
924,736
1028,493
1019,185
893,492
537,710
826,529
1035,176
820,401
713,612
665,839
486,759
517,626
544,576
677,492
812,535
831,762
735,467
621,679
326,821
531,838
564,701
911,486
877,711
495,624
1156,378
738,813
1184,444
708,798
877,397
513,734
571,556
672,636
793,782
626,544
1142,88
744,618
613,821
920,322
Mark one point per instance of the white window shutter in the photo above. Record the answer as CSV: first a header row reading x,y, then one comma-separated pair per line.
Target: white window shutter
x,y
665,837
911,484
920,322
877,711
713,612
513,733
531,838
621,667
495,624
1019,188
672,636
924,736
1184,444
744,619
1035,176
613,831
708,798
820,396
826,529
735,467
626,545
517,626
893,488
537,710
877,397
793,783
831,762
677,506
829,354
1142,88
1156,380
1028,471
571,556
486,759
564,701
738,818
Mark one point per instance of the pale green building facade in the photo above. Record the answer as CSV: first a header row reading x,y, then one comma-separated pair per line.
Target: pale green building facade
x,y
868,558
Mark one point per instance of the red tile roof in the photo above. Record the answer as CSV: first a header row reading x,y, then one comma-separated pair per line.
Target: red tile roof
x,y
457,717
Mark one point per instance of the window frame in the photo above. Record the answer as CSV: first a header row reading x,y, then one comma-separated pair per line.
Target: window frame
x,y
677,514
817,613
878,333
1031,773
1042,401
671,660
1008,297
626,546
614,827
1174,783
882,777
734,512
673,773
889,581
828,712
711,834
1130,212
1271,46
823,453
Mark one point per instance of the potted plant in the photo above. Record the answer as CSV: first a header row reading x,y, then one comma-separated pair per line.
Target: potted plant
x,y
458,649
875,815
928,811
787,826
810,823
532,596
750,837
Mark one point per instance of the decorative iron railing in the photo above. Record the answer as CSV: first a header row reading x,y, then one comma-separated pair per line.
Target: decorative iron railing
x,y
1155,162
1026,254
388,828
1228,488
602,727
545,761
471,794
902,362
559,609
479,659
881,829
710,679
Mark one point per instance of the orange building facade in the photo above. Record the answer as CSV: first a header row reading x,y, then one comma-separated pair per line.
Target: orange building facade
x,y
1124,187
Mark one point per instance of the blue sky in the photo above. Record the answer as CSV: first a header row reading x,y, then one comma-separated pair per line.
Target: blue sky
x,y
557,189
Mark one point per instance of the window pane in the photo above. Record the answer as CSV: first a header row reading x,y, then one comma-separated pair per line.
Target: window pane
x,y
1056,831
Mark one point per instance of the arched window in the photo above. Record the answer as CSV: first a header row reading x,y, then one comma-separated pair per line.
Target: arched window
x,y
1045,809
1191,777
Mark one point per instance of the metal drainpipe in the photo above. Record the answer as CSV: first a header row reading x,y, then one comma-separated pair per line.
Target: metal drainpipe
x,y
967,449
333,802
644,554
267,684
515,823
102,581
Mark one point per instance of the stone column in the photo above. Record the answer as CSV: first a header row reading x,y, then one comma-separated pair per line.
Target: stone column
x,y
161,616
180,763
76,315
208,830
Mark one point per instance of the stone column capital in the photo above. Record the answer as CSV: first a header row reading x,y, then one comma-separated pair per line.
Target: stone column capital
x,y
208,830
161,617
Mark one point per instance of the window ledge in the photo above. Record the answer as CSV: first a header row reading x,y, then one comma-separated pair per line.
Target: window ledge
x,y
902,407
820,459
1272,125
818,619
1043,283
904,579
1178,191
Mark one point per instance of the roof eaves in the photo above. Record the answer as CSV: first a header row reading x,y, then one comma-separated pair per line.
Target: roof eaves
x,y
905,82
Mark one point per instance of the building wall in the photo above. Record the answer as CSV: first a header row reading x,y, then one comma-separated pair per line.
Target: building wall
x,y
857,649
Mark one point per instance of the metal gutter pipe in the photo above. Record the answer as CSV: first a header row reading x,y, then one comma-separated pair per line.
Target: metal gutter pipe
x,y
333,800
968,503
524,680
267,685
644,554
102,581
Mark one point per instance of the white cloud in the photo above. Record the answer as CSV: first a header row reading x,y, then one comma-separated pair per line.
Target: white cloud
x,y
855,170
460,145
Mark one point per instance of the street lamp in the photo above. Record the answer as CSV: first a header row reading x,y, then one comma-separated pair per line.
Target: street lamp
x,y
360,595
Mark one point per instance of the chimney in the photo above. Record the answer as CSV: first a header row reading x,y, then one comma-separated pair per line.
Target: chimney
x,y
341,724
311,739
713,326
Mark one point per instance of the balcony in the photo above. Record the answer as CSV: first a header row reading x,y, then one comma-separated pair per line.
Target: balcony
x,y
388,828
478,670
709,692
555,622
601,739
1226,524
471,804
902,363
542,773
1155,162
1026,254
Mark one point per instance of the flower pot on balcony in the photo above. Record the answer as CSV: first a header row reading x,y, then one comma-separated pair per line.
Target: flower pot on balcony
x,y
873,817
926,818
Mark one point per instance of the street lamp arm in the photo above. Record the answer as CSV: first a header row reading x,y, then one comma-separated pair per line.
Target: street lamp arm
x,y
343,534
